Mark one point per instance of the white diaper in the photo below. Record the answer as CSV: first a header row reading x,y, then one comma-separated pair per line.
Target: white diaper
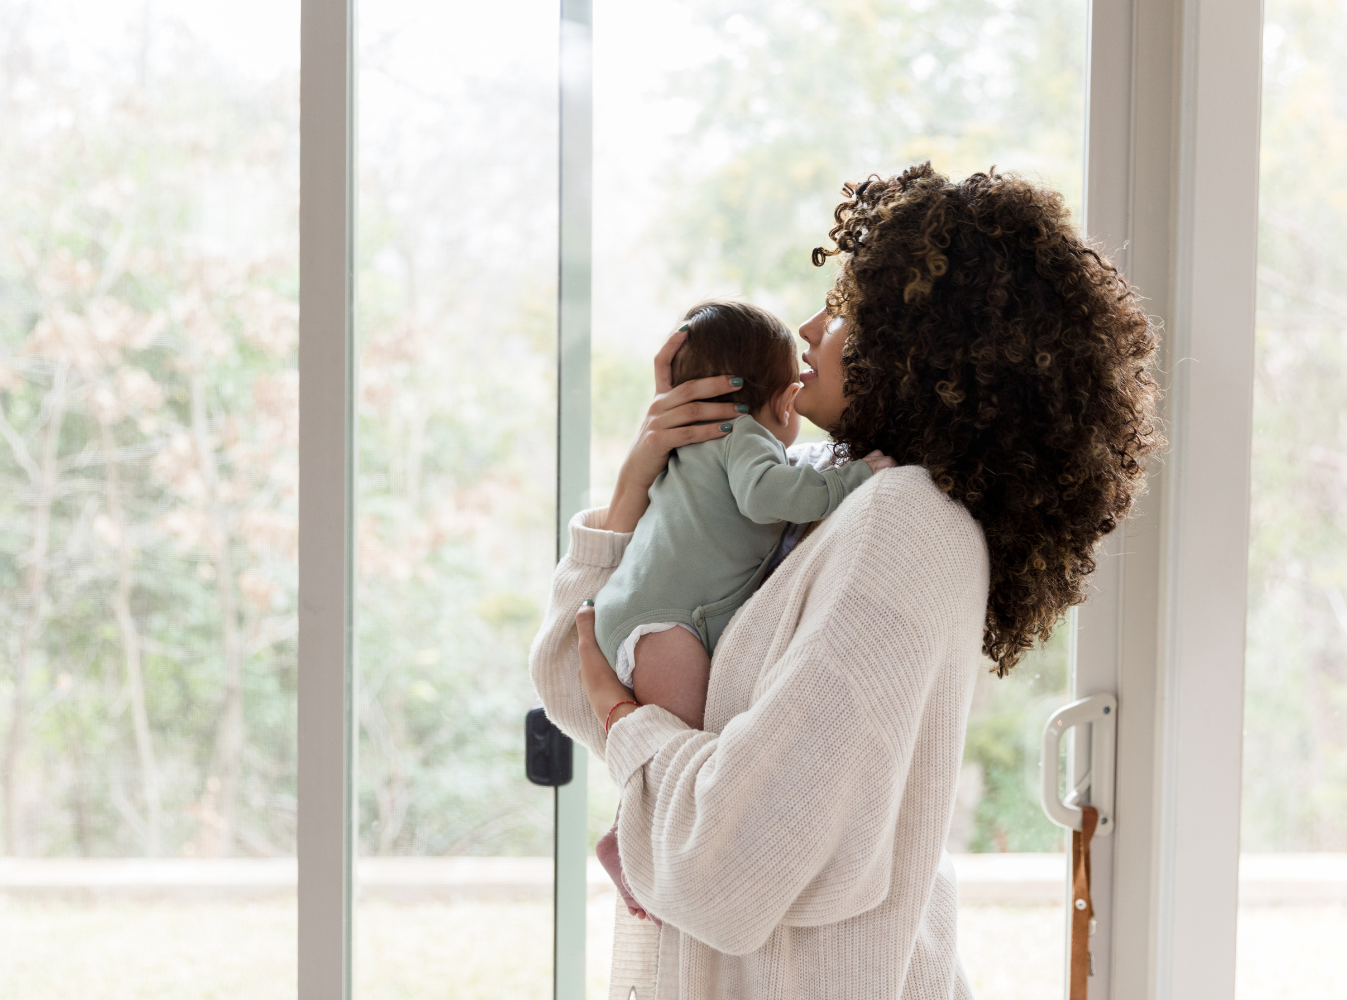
x,y
626,653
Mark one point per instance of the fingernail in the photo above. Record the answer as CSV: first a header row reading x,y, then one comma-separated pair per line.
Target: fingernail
x,y
683,328
727,427
736,381
586,603
741,407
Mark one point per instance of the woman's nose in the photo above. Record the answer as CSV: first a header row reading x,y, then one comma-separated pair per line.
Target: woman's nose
x,y
811,331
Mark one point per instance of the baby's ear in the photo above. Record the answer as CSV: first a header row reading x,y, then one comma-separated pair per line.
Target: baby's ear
x,y
784,400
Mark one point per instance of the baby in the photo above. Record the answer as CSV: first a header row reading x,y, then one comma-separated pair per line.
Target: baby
x,y
716,515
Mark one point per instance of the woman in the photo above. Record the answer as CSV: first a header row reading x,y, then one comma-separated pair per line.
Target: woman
x,y
794,847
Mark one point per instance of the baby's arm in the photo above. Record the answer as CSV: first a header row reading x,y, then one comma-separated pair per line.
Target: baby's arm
x,y
671,670
768,489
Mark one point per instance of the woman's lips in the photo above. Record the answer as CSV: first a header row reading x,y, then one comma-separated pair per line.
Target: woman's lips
x,y
808,375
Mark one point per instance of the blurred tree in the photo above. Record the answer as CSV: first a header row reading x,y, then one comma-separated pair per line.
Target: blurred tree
x,y
457,331
149,418
801,97
148,405
1295,749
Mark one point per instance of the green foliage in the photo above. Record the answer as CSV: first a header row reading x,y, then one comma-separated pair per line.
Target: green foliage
x,y
805,96
457,460
621,387
1001,750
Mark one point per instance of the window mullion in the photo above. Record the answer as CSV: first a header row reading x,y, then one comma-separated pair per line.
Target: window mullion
x,y
573,435
326,497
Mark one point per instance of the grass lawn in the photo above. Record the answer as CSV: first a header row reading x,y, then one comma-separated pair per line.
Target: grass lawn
x,y
502,951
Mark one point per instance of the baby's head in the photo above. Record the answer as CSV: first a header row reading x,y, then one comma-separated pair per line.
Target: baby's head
x,y
735,338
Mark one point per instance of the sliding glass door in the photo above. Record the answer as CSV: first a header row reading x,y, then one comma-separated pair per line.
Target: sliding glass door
x,y
722,138
1293,884
456,487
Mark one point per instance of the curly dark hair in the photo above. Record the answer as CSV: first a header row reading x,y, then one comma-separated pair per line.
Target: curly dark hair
x,y
988,343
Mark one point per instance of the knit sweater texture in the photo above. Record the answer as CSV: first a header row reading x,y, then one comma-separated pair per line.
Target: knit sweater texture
x,y
794,848
715,518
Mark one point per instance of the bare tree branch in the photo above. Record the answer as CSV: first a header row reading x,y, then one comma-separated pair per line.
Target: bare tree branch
x,y
17,446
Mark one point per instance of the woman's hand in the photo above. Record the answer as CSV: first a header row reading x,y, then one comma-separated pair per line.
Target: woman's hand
x,y
601,685
675,418
878,460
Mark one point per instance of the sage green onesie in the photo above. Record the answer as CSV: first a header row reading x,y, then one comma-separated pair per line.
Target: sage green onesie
x,y
716,514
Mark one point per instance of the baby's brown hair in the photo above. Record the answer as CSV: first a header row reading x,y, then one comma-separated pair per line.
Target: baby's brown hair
x,y
735,338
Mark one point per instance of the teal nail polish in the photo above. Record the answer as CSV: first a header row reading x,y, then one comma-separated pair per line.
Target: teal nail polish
x,y
586,603
741,407
727,427
683,328
736,381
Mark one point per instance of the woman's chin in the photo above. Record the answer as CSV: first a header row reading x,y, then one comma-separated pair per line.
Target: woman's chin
x,y
803,405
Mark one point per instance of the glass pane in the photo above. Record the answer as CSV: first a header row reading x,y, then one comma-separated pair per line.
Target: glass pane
x,y
723,136
148,386
1293,872
457,330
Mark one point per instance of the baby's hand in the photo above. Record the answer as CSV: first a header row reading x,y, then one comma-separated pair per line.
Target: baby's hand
x,y
878,460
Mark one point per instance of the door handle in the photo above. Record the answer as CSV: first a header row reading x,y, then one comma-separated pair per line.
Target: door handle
x,y
548,753
1100,713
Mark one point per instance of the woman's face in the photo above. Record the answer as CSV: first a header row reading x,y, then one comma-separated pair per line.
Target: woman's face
x,y
822,399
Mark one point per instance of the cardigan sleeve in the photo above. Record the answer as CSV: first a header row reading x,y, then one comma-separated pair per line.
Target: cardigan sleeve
x,y
554,659
728,835
722,834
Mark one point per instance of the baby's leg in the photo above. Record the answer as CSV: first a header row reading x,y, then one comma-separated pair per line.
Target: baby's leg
x,y
672,670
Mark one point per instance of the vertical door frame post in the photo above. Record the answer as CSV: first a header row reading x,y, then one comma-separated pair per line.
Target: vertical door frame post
x,y
326,749
1097,635
1206,496
574,291
1172,195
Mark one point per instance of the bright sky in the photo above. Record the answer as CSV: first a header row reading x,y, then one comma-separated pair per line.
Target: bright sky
x,y
258,37
473,38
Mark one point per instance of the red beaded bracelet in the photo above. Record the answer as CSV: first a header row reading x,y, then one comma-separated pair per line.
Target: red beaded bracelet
x,y
608,722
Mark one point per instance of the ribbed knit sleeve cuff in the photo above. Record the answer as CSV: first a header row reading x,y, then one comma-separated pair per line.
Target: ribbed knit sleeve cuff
x,y
637,737
843,479
591,545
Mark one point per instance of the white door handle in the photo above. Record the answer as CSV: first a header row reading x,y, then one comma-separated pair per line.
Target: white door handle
x,y
1100,712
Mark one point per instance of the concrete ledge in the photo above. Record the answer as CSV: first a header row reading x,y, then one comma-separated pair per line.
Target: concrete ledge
x,y
1289,879
90,879
1011,879
984,879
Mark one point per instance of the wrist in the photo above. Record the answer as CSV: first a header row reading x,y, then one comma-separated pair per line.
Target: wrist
x,y
624,510
604,690
620,710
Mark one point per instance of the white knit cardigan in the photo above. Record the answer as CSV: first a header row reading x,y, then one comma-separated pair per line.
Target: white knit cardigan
x,y
795,847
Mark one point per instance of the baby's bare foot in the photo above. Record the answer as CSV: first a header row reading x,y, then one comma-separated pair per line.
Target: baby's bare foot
x,y
612,864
